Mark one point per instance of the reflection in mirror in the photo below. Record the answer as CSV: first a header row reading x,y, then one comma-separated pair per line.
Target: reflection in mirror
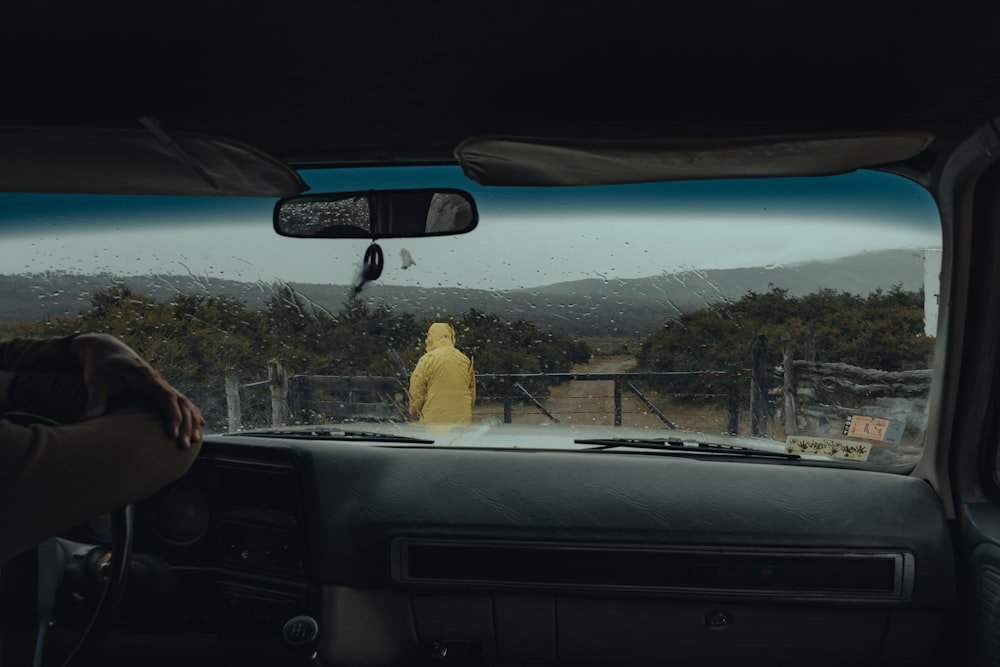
x,y
448,212
377,214
350,216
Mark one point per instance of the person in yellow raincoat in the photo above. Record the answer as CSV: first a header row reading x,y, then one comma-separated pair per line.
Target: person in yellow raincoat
x,y
443,385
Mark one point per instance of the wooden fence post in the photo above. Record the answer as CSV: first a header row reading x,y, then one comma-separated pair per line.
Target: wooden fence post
x,y
507,416
233,401
618,400
403,374
297,398
733,401
278,377
758,386
791,409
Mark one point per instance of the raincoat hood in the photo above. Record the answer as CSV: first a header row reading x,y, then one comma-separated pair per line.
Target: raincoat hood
x,y
440,334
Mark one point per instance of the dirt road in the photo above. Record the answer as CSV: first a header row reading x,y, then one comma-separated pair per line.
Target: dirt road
x,y
586,401
583,401
592,402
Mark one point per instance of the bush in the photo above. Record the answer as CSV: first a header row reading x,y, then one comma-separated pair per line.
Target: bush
x,y
883,330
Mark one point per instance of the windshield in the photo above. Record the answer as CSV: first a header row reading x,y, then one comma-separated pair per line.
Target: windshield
x,y
788,314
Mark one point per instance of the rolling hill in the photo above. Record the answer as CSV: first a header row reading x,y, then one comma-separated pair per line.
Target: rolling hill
x,y
582,307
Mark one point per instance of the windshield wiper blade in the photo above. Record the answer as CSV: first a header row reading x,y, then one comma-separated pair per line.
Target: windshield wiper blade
x,y
679,445
336,434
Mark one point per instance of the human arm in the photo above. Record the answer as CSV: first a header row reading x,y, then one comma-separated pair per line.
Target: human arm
x,y
62,398
39,355
53,478
110,371
41,376
111,368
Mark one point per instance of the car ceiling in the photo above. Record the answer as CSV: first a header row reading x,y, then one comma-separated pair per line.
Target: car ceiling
x,y
314,82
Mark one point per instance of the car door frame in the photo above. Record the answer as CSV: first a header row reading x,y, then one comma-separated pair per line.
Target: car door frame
x,y
961,459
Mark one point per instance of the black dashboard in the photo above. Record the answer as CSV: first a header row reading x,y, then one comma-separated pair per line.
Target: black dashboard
x,y
270,551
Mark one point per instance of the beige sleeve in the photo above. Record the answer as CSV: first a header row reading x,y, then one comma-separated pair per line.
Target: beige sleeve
x,y
54,478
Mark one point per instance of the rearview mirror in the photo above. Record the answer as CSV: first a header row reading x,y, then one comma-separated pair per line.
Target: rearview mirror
x,y
377,214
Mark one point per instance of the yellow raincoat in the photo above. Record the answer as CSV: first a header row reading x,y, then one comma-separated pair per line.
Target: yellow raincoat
x,y
443,385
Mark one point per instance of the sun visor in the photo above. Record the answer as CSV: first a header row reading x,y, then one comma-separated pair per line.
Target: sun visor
x,y
513,161
138,162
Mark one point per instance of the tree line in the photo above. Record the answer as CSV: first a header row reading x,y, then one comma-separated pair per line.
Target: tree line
x,y
196,339
883,330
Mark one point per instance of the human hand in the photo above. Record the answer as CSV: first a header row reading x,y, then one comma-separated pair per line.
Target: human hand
x,y
110,368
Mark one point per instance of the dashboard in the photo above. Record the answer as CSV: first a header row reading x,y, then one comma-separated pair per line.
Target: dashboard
x,y
274,551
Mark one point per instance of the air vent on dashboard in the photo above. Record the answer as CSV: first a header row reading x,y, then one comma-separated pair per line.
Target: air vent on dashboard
x,y
794,573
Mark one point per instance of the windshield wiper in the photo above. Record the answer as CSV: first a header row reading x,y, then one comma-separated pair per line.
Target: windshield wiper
x,y
342,435
679,445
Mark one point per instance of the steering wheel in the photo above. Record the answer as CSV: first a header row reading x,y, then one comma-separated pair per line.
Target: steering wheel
x,y
35,576
114,572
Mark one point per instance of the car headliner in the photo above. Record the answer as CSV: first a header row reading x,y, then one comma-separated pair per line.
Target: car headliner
x,y
327,81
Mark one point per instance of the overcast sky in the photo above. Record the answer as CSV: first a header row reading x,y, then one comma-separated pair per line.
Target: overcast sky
x,y
526,237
